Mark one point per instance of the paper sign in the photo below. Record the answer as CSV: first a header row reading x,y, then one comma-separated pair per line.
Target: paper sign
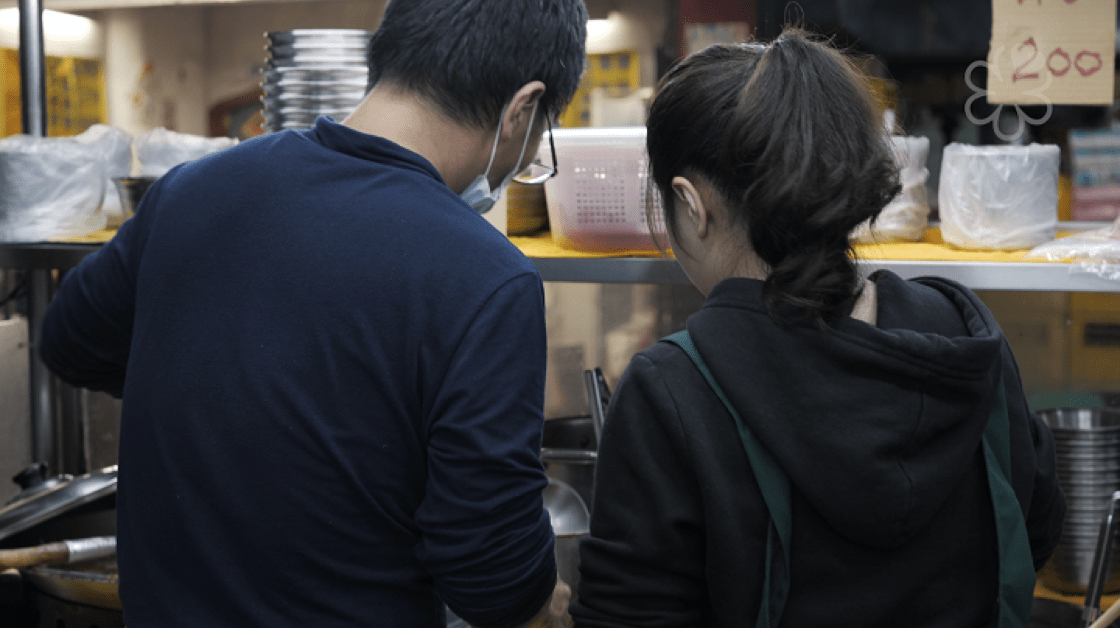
x,y
699,36
1052,52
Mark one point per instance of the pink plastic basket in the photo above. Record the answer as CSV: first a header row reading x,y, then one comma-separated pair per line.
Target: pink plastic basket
x,y
598,199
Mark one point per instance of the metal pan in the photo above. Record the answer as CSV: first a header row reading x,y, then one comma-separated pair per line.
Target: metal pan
x,y
93,583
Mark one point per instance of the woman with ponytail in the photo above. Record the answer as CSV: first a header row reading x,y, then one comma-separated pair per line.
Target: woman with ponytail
x,y
818,448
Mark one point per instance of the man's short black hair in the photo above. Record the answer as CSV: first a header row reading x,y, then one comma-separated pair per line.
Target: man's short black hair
x,y
470,56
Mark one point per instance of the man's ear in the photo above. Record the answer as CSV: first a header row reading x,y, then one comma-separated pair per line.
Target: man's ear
x,y
520,108
692,202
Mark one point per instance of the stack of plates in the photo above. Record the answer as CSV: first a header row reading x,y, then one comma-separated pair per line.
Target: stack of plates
x,y
311,73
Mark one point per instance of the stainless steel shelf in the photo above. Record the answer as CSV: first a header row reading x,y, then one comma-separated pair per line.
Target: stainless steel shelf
x,y
1027,276
611,270
44,255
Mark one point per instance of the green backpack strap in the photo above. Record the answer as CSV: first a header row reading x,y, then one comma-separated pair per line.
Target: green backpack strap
x,y
1016,566
773,484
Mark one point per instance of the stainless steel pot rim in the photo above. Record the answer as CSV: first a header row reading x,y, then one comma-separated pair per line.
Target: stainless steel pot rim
x,y
1086,439
295,86
314,100
354,88
319,57
1081,419
306,109
1097,443
293,119
301,33
305,118
279,52
290,54
1104,487
318,44
317,73
1072,463
316,63
311,101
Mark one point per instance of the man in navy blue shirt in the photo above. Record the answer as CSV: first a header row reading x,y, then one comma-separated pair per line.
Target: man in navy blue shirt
x,y
332,367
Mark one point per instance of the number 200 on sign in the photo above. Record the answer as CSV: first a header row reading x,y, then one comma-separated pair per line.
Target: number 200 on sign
x,y
1058,62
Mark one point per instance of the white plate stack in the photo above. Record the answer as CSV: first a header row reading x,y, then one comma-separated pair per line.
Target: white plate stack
x,y
311,73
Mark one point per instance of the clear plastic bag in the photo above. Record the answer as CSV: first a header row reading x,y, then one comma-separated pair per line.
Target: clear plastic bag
x,y
999,197
907,215
50,187
1096,251
160,150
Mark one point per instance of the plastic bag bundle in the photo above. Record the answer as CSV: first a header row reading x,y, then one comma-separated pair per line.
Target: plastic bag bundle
x,y
115,147
999,197
160,150
1101,244
1096,251
907,215
50,187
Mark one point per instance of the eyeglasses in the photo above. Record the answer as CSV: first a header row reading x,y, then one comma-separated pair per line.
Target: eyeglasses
x,y
536,172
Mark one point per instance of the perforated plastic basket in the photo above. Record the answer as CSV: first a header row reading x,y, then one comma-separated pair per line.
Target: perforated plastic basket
x,y
598,199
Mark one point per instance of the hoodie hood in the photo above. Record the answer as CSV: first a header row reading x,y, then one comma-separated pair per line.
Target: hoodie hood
x,y
874,425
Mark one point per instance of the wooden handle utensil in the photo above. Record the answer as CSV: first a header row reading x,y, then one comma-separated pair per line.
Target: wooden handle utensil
x,y
72,551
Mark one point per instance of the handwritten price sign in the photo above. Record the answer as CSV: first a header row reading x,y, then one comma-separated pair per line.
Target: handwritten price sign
x,y
1052,52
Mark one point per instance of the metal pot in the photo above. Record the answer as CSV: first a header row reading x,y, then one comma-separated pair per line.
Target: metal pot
x,y
59,508
64,508
569,455
570,523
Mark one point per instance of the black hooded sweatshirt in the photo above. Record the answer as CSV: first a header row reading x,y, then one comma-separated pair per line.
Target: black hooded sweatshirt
x,y
878,429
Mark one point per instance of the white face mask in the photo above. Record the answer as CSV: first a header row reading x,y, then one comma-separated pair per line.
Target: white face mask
x,y
478,194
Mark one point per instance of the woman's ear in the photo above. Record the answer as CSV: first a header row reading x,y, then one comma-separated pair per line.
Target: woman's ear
x,y
693,203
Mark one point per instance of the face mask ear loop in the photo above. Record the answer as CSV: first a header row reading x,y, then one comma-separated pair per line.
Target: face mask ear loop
x,y
494,151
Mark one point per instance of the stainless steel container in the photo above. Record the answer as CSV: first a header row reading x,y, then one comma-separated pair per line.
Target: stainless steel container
x,y
569,454
313,72
1087,441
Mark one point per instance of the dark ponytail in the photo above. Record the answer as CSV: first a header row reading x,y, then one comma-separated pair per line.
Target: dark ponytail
x,y
788,135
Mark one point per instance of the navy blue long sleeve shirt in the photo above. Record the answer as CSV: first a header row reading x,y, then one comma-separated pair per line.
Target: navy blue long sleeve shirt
x,y
332,373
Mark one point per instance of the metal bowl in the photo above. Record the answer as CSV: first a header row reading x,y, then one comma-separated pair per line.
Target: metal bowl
x,y
131,191
313,88
1081,423
356,61
285,51
319,73
316,102
306,35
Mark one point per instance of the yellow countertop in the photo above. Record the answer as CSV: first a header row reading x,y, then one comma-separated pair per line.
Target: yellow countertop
x,y
930,248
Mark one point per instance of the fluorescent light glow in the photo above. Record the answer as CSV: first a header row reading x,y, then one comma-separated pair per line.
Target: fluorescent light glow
x,y
599,28
57,26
